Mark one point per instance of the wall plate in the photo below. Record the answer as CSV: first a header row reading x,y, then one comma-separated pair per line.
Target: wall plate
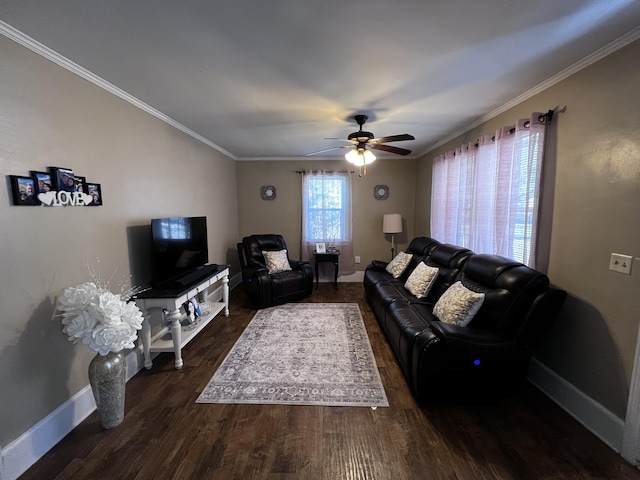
x,y
621,263
381,192
268,192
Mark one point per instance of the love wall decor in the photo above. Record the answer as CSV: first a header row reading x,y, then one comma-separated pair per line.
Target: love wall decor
x,y
56,188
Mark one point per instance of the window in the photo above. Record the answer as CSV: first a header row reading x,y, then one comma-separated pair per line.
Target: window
x,y
325,209
326,215
485,196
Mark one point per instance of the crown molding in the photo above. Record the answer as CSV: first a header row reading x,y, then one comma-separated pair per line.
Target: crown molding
x,y
608,49
44,51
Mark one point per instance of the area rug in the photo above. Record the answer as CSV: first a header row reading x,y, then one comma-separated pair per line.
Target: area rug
x,y
300,354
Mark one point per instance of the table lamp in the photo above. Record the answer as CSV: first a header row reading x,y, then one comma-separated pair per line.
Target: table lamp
x,y
392,223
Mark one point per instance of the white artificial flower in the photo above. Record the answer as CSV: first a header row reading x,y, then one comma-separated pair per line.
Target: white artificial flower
x,y
132,315
106,308
76,299
110,338
103,321
78,326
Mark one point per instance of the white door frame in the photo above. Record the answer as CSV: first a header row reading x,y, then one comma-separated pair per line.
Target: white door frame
x,y
630,450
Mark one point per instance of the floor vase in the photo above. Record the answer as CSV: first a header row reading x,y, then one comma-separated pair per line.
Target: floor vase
x,y
107,375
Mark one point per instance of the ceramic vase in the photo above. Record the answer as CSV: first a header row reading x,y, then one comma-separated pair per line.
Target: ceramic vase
x,y
108,376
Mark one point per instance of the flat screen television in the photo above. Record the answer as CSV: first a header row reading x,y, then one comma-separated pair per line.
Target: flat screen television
x,y
178,245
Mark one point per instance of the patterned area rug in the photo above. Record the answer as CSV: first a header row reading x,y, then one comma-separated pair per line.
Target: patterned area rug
x,y
300,354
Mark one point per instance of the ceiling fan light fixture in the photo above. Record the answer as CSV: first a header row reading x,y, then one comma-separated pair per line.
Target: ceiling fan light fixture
x,y
359,158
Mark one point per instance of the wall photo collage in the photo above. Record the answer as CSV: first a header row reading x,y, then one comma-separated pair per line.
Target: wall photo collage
x,y
55,188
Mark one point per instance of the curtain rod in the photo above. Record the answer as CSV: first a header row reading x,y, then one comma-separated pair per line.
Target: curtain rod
x,y
326,171
548,116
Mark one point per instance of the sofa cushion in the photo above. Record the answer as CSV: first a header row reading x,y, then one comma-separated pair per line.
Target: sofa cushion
x,y
449,259
399,263
510,288
276,261
422,246
421,280
458,305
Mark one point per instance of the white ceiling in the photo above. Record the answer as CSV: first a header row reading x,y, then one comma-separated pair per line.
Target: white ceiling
x,y
271,79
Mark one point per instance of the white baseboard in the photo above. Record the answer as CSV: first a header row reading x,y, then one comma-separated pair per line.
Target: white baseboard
x,y
235,280
356,277
22,453
601,422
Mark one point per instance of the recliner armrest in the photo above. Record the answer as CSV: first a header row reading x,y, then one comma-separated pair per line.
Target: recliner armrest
x,y
252,271
298,263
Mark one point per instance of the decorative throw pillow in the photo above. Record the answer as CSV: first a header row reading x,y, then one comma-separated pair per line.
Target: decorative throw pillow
x,y
421,280
458,305
396,266
276,261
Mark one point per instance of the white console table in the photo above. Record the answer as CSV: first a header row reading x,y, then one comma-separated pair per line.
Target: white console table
x,y
171,337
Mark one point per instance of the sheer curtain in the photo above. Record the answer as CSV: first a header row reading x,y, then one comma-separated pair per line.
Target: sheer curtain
x,y
485,195
326,217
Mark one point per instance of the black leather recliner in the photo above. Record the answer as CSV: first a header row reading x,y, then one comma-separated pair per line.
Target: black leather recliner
x,y
265,289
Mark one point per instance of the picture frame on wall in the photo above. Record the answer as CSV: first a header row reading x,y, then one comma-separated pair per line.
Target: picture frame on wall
x,y
95,190
64,179
81,184
24,191
44,181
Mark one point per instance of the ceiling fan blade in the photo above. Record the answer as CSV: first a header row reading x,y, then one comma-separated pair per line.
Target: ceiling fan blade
x,y
390,149
393,138
326,150
338,139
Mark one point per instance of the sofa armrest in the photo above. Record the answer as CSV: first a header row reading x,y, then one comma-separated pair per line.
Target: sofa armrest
x,y
473,339
541,314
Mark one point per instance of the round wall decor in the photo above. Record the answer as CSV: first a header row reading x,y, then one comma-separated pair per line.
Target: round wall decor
x,y
381,192
268,192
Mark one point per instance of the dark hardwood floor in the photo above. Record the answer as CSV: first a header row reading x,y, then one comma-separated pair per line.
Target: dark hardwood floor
x,y
166,435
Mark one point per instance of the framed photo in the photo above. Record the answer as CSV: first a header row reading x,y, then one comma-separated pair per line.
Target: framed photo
x,y
81,184
95,191
64,179
24,190
44,181
321,248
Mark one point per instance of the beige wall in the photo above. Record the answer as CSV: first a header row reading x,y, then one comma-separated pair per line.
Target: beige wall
x,y
283,214
51,117
594,162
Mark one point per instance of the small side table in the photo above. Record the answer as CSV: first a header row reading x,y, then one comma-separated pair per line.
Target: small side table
x,y
330,256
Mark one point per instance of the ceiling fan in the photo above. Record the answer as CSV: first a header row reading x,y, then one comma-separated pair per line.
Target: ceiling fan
x,y
361,143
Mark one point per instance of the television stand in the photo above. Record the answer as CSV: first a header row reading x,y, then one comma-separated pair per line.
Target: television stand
x,y
171,297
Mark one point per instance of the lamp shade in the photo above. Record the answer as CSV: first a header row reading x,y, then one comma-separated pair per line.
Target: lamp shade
x,y
392,223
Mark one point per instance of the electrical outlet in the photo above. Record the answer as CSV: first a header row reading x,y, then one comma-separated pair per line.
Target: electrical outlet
x,y
621,263
357,259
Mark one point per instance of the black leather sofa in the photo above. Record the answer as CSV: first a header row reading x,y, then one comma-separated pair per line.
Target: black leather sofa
x,y
489,356
266,289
